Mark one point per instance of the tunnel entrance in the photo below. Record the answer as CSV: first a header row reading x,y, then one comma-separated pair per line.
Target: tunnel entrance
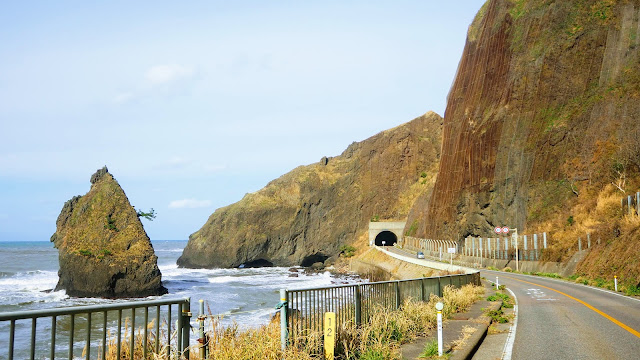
x,y
388,237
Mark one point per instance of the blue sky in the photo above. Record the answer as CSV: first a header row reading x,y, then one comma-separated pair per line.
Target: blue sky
x,y
193,104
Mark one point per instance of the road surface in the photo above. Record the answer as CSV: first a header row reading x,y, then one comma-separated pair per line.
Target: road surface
x,y
564,320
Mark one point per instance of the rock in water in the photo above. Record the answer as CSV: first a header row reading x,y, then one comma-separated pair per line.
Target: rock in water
x,y
103,248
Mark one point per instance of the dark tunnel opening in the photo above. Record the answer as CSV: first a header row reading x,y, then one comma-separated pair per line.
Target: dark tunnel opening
x,y
386,238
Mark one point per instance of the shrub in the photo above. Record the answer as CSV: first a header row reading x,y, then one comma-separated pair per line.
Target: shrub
x,y
85,252
347,250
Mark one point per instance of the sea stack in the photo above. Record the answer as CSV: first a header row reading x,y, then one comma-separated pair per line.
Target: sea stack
x,y
102,246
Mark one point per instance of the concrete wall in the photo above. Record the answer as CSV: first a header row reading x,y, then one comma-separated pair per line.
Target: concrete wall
x,y
396,227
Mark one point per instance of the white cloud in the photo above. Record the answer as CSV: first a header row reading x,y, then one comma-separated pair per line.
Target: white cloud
x,y
189,204
165,74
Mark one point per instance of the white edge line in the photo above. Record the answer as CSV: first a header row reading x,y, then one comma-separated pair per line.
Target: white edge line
x,y
508,346
562,281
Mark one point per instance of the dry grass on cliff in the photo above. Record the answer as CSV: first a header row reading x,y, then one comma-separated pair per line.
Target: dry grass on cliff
x,y
615,236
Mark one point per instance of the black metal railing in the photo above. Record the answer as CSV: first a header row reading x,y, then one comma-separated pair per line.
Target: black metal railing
x,y
305,308
92,336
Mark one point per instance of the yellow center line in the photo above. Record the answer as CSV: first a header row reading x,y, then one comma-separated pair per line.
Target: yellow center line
x,y
611,318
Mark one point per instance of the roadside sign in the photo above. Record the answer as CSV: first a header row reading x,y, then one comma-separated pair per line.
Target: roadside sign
x,y
505,230
329,334
498,230
451,250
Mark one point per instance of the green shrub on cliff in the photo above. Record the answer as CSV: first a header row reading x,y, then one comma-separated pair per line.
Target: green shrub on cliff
x,y
347,250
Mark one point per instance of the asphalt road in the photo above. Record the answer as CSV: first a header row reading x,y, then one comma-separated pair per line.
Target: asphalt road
x,y
563,320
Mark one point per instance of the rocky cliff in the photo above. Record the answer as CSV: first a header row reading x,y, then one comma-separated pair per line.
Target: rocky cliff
x,y
307,214
542,124
103,248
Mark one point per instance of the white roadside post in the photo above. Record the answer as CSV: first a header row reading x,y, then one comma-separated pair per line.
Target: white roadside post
x,y
615,282
497,283
515,236
439,307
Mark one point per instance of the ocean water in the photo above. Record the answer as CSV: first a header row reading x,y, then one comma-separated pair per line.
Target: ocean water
x,y
29,273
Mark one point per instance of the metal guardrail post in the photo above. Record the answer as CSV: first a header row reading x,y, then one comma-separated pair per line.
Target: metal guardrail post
x,y
284,327
88,336
33,339
53,337
358,305
71,330
186,327
202,341
132,341
119,339
396,287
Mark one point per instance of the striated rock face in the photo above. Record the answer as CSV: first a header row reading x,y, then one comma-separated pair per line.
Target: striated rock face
x,y
305,216
103,248
546,102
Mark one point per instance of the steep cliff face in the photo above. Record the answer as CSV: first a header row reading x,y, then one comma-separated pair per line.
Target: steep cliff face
x,y
103,248
542,115
545,95
307,214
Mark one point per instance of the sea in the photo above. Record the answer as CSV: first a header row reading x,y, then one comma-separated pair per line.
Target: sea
x,y
246,297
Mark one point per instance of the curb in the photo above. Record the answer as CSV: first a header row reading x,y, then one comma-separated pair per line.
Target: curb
x,y
473,343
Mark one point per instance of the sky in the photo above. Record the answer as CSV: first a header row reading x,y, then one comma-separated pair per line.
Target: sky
x,y
191,105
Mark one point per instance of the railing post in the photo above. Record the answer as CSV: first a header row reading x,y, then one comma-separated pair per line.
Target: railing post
x,y
202,341
397,290
284,327
358,300
186,327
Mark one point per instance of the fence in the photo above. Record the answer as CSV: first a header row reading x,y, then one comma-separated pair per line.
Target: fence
x,y
631,204
431,247
99,342
304,308
529,247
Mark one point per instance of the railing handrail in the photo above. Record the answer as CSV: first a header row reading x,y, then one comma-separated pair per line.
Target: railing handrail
x,y
377,282
72,310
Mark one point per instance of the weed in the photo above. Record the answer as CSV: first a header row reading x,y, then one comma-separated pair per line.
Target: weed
x,y
497,316
430,350
111,224
570,220
85,252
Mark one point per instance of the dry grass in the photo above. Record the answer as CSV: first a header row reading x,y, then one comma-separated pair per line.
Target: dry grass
x,y
467,331
378,338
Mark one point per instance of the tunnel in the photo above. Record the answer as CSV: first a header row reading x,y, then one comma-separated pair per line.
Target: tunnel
x,y
388,237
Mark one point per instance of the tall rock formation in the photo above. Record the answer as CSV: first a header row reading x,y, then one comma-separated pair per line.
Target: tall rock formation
x,y
103,248
307,214
545,106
